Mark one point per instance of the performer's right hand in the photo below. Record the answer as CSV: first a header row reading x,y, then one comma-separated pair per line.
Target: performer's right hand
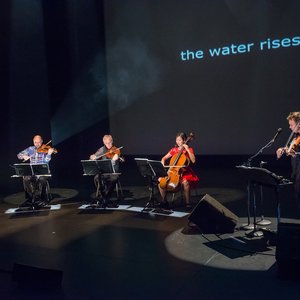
x,y
93,157
279,152
25,157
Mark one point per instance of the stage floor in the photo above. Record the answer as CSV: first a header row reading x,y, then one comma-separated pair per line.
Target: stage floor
x,y
126,254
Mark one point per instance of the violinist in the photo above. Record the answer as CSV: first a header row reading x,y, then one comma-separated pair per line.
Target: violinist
x,y
36,155
292,150
107,185
188,179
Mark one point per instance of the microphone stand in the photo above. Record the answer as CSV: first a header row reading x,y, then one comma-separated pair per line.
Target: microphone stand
x,y
269,144
262,221
249,226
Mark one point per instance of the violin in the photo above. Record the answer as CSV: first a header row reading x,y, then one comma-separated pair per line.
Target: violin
x,y
293,145
177,164
44,149
111,152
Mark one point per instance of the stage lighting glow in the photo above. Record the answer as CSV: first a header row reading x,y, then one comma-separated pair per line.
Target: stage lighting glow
x,y
85,104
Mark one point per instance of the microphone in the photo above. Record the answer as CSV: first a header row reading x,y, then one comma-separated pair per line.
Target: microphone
x,y
262,163
276,135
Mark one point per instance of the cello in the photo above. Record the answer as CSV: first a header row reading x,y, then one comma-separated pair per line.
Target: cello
x,y
171,183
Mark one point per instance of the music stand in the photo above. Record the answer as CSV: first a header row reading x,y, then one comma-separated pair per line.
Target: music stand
x,y
152,170
157,168
144,167
35,171
89,167
103,168
262,177
94,167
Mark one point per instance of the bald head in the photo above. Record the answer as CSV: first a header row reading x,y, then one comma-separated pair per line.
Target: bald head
x,y
37,141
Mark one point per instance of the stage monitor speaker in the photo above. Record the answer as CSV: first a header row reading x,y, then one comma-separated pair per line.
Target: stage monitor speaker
x,y
288,250
36,277
212,217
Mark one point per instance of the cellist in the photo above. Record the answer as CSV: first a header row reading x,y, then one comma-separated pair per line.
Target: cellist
x,y
188,179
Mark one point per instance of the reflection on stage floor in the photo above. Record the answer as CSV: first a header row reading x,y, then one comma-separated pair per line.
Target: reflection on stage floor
x,y
126,253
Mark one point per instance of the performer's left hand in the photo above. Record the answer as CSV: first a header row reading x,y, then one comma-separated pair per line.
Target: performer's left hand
x,y
50,151
186,147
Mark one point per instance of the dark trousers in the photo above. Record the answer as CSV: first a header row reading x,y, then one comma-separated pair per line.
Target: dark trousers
x,y
36,188
295,161
297,193
105,186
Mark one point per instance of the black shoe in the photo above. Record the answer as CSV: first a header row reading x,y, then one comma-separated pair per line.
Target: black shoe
x,y
188,207
112,204
26,203
43,203
164,205
93,201
104,203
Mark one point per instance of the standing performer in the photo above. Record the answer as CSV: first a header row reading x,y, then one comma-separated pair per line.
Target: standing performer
x,y
107,185
180,174
292,149
36,154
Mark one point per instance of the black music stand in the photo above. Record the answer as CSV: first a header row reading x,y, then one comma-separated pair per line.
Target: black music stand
x,y
152,170
35,171
24,169
104,168
93,167
157,168
261,177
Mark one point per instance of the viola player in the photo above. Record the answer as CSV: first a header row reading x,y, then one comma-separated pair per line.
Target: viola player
x,y
107,185
293,151
186,176
34,156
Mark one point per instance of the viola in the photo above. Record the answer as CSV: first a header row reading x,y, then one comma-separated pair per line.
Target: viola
x,y
45,147
177,164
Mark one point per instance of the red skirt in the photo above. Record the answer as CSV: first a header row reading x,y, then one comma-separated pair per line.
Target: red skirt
x,y
191,177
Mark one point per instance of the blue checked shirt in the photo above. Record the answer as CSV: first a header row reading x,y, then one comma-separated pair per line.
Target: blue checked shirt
x,y
35,156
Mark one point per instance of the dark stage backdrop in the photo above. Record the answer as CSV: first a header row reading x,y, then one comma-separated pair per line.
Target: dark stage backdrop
x,y
53,79
142,70
226,70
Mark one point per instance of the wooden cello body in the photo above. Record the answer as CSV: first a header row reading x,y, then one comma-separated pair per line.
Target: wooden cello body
x,y
171,183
